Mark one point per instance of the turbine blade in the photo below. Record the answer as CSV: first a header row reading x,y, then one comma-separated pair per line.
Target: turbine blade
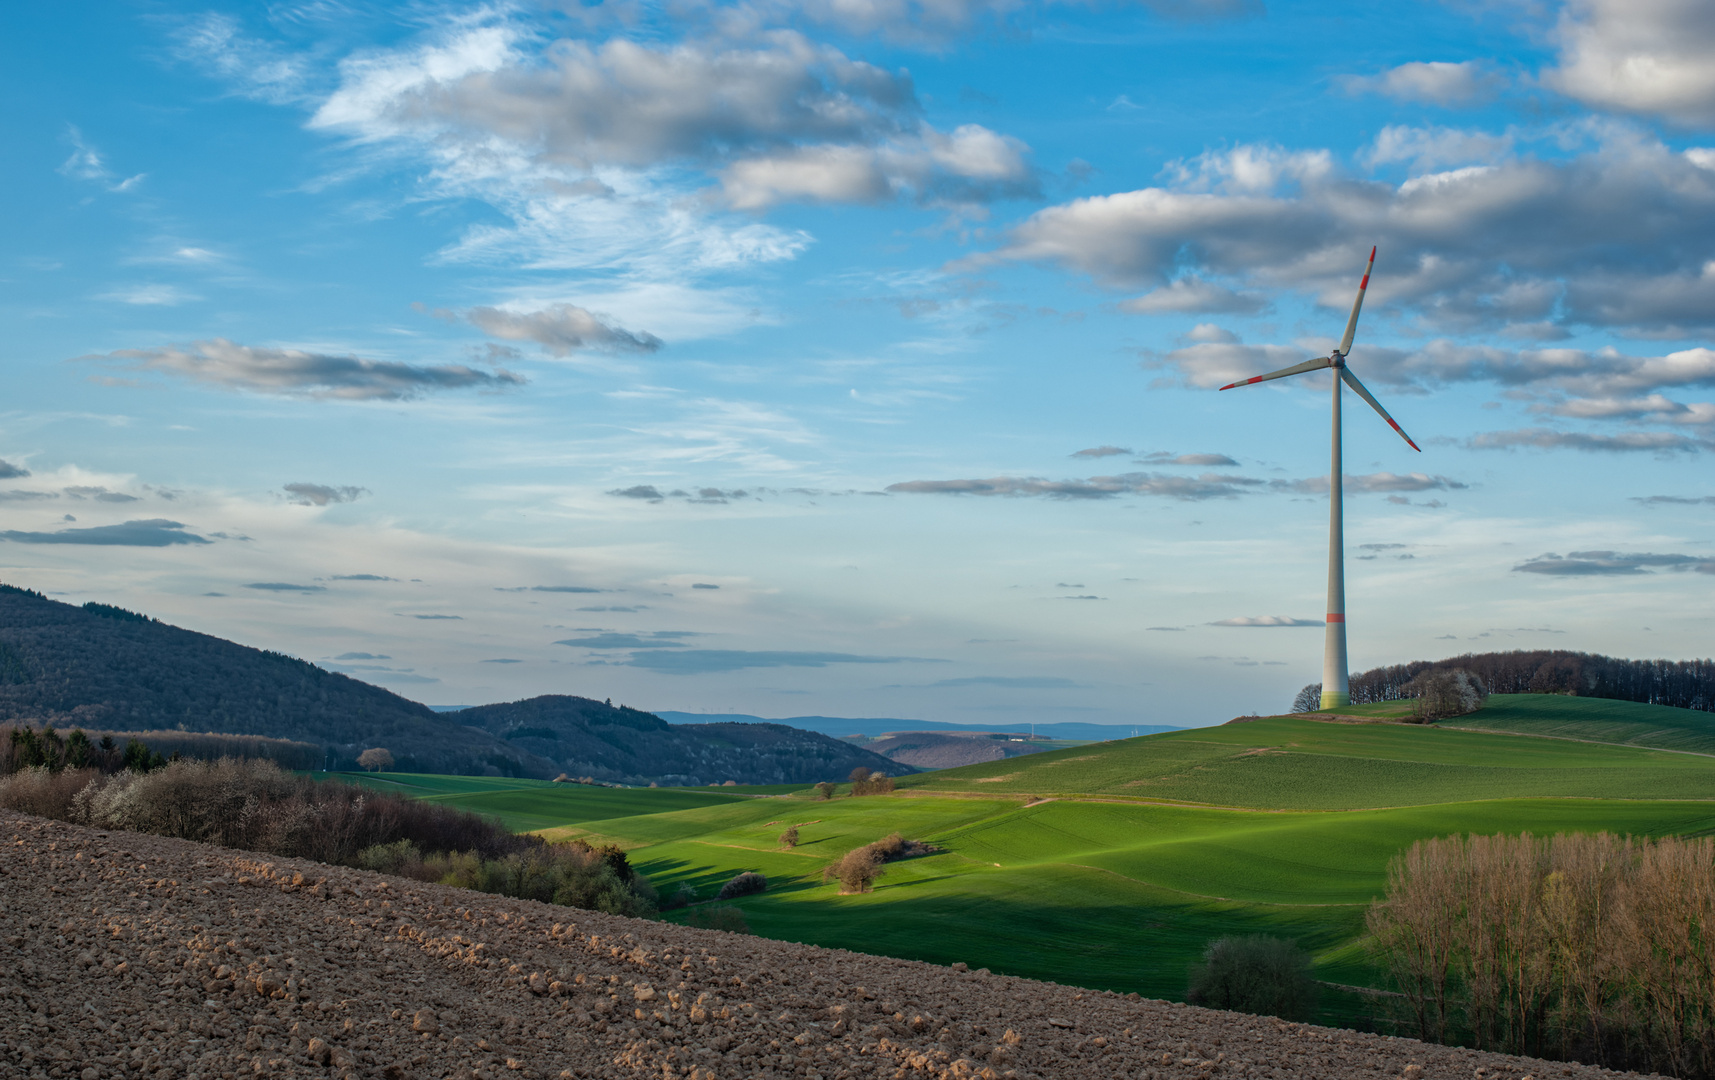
x,y
1352,381
1296,369
1352,323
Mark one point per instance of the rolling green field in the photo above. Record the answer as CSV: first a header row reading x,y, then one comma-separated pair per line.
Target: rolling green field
x,y
530,805
1595,720
1112,865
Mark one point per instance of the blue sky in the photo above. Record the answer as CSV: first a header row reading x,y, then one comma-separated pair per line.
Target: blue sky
x,y
859,357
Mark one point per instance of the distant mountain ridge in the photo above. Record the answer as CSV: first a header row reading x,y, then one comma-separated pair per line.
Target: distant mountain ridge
x,y
838,726
101,668
589,738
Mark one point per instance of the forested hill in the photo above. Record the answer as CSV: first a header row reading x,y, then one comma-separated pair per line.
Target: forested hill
x,y
102,667
589,738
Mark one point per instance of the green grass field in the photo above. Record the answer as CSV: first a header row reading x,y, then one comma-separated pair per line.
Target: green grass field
x,y
530,805
1112,865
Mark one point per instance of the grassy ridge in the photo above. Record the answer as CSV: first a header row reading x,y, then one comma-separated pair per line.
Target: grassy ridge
x,y
1595,720
1288,763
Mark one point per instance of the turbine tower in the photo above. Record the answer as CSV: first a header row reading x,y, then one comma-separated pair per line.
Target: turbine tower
x,y
1335,689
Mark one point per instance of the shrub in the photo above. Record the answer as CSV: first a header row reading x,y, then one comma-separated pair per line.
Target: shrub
x,y
730,919
43,791
1443,693
865,782
1263,975
825,790
684,896
748,883
789,838
376,759
857,869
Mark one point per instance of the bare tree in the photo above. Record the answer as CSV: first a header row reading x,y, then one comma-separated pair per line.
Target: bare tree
x,y
1309,699
376,759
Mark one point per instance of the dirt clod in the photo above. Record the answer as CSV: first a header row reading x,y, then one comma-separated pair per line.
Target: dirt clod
x,y
130,956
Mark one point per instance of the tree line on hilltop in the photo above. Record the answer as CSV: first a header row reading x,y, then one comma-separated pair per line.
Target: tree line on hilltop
x,y
1682,684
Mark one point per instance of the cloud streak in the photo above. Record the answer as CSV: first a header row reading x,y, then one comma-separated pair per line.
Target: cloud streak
x,y
711,661
151,532
295,372
322,494
1267,621
1612,564
561,329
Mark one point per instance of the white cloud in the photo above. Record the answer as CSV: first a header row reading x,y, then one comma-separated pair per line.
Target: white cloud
x,y
1192,294
86,163
1425,149
1484,246
624,157
256,68
1639,56
970,164
1437,82
151,295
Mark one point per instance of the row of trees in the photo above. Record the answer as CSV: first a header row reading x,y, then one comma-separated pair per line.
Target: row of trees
x,y
1435,694
1683,684
25,747
1592,948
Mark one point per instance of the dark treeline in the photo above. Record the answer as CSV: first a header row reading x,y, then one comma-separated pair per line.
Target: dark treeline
x,y
1683,684
24,746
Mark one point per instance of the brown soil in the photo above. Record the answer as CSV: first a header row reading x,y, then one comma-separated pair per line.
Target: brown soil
x,y
123,955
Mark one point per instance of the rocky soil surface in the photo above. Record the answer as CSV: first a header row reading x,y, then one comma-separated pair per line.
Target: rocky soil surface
x,y
124,955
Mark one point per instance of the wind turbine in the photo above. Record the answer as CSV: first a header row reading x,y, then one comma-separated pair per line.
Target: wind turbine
x,y
1335,689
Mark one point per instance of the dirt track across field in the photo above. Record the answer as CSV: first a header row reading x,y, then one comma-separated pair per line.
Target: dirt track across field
x,y
123,955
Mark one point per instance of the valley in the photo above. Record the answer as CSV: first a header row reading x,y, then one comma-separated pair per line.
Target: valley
x,y
1112,865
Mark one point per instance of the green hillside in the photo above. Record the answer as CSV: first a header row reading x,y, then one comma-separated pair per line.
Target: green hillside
x,y
1290,763
1113,865
530,805
1595,720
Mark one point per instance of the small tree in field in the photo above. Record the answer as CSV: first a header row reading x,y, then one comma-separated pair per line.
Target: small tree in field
x,y
789,838
856,871
1309,699
825,790
375,759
